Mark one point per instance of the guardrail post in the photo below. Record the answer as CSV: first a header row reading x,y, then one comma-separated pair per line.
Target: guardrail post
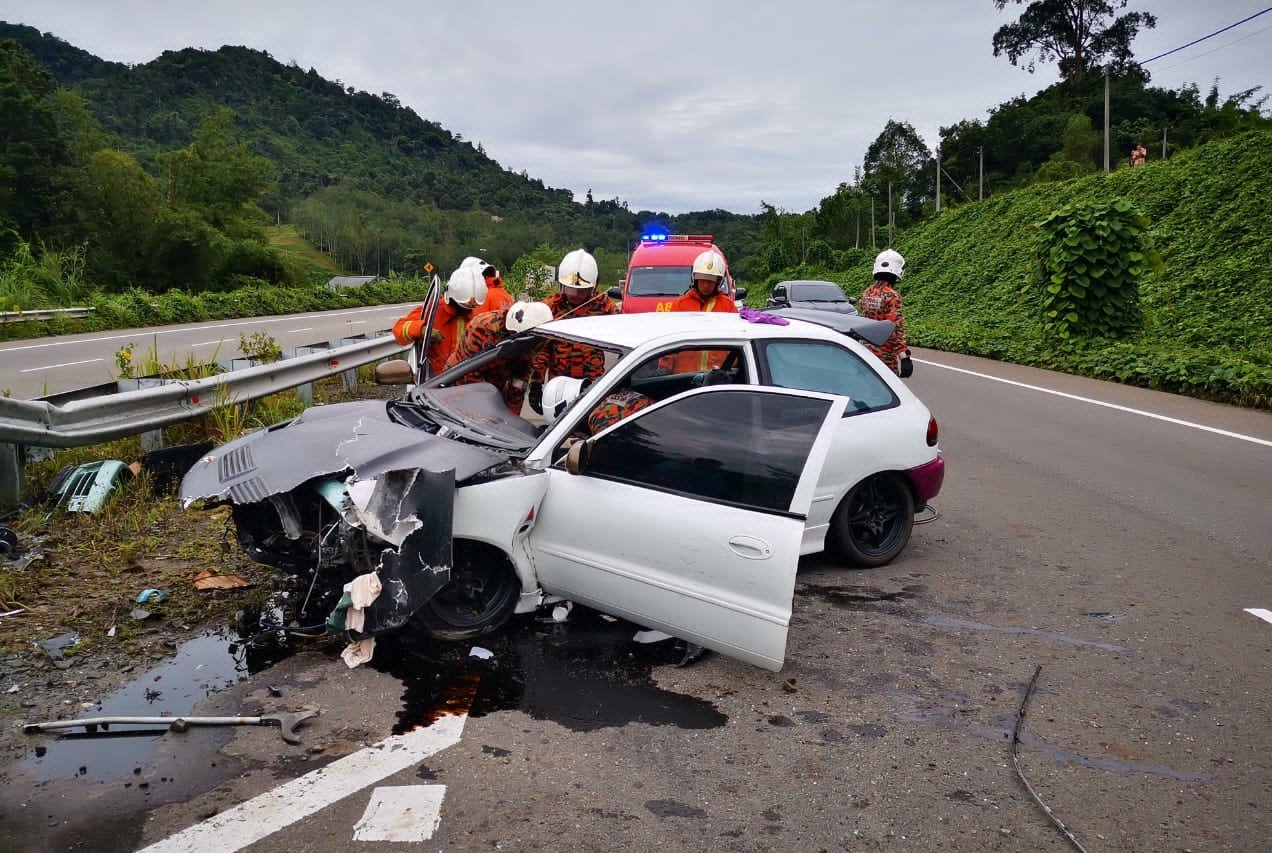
x,y
306,393
350,380
10,475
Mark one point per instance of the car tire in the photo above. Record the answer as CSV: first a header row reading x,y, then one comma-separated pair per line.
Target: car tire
x,y
873,522
478,599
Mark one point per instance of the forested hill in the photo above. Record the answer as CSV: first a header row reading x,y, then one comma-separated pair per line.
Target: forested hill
x,y
315,131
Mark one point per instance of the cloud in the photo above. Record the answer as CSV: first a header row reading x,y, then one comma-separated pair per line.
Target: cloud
x,y
669,106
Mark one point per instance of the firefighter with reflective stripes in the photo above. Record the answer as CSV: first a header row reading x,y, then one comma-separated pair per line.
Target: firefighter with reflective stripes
x,y
704,294
464,294
510,375
880,301
578,276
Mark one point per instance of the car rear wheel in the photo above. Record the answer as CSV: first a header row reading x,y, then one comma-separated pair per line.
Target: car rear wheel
x,y
479,598
873,522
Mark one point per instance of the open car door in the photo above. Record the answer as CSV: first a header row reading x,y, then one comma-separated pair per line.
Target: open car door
x,y
418,357
688,516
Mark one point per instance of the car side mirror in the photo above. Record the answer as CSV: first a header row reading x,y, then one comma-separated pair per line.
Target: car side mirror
x,y
576,458
740,293
395,372
852,300
615,292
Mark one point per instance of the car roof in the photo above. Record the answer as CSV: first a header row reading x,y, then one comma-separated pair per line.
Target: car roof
x,y
631,330
810,281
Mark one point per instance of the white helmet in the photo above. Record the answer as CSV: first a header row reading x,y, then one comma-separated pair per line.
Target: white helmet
x,y
526,315
558,393
891,262
578,270
471,261
466,288
709,265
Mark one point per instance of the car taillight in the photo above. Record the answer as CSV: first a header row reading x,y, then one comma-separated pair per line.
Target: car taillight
x,y
933,432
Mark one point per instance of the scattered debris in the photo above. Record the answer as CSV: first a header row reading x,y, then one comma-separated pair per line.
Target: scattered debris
x,y
649,636
288,723
150,595
140,614
15,612
53,647
168,465
213,580
1015,760
788,685
8,541
84,488
480,653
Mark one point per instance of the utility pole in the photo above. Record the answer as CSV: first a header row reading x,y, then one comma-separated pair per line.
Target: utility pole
x,y
1163,143
872,225
938,178
889,214
1106,119
980,153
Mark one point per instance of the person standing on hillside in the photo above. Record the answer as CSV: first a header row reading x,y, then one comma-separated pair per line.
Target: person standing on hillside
x,y
465,292
1139,154
578,276
881,301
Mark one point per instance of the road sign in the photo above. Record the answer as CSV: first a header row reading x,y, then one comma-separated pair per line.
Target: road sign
x,y
428,267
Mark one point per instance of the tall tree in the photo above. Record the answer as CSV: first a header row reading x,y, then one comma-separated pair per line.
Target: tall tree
x,y
1078,34
898,157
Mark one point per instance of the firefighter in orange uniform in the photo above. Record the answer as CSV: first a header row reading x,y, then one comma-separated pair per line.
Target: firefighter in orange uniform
x,y
578,276
464,294
510,376
704,290
496,296
704,294
880,301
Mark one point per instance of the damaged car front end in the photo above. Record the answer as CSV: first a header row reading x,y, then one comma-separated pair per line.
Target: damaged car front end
x,y
351,489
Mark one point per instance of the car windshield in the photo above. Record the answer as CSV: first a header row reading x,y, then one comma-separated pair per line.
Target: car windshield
x,y
816,291
475,412
658,281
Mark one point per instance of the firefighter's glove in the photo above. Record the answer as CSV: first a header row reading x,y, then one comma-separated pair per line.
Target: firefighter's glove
x,y
434,337
535,397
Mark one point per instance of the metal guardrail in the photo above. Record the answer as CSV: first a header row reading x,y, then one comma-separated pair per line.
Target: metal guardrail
x,y
44,314
88,421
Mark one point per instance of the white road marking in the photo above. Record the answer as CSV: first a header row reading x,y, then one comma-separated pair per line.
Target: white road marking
x,y
305,329
1265,615
263,815
184,330
209,343
357,322
63,364
410,813
1114,406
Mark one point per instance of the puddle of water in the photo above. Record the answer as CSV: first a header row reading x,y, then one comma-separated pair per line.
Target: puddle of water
x,y
584,674
949,622
201,667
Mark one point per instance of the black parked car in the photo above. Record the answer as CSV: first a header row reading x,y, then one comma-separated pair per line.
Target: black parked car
x,y
815,295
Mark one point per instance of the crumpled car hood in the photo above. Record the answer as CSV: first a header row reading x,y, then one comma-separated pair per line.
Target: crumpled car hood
x,y
326,440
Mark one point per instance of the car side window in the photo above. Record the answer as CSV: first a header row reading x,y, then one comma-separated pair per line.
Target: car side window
x,y
673,372
827,367
739,447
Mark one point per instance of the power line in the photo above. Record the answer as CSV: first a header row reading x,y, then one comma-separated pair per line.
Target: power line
x,y
1203,38
1215,49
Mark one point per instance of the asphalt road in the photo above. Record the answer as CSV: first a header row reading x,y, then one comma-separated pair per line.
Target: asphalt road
x,y
43,366
1111,536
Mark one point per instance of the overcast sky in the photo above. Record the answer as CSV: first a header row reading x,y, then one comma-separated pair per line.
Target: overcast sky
x,y
668,106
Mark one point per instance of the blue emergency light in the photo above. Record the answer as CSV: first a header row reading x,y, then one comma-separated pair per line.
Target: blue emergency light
x,y
654,234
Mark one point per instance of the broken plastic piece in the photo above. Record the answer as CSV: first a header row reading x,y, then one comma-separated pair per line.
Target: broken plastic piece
x,y
649,636
150,595
562,611
84,488
480,653
212,580
8,541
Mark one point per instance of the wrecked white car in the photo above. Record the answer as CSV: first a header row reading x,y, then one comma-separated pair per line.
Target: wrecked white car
x,y
765,439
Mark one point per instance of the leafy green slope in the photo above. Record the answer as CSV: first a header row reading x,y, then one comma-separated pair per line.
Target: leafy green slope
x,y
971,275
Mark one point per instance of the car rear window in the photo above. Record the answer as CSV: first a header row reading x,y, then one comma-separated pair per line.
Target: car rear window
x,y
817,293
827,367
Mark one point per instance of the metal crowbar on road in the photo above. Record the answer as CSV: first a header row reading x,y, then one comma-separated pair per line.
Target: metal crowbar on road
x,y
287,723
